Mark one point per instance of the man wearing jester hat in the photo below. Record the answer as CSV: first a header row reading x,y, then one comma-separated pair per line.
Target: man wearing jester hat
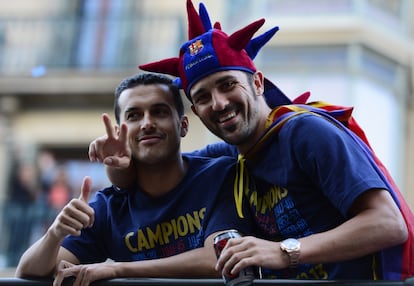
x,y
324,205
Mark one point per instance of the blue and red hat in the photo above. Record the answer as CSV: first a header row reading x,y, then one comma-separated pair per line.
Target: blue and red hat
x,y
210,50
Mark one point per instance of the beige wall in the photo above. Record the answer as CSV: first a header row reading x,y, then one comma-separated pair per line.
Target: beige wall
x,y
57,127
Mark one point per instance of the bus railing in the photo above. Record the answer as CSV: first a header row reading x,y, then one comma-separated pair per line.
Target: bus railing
x,y
206,282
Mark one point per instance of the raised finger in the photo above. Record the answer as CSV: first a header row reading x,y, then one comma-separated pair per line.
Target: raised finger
x,y
110,130
123,133
86,191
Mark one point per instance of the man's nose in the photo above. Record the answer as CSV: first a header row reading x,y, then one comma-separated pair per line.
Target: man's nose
x,y
220,101
147,122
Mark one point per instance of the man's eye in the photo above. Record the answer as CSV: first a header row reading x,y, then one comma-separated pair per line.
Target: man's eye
x,y
132,116
160,112
201,98
229,85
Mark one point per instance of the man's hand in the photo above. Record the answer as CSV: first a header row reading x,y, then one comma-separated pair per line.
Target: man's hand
x,y
111,149
76,215
85,274
243,252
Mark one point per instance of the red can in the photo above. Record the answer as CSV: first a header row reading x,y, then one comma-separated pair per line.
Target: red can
x,y
245,276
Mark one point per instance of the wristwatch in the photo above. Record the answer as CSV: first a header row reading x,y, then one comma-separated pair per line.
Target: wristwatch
x,y
291,247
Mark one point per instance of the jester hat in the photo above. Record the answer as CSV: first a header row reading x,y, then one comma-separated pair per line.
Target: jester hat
x,y
210,50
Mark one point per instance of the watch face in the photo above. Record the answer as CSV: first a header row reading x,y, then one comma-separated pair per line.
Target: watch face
x,y
291,247
291,243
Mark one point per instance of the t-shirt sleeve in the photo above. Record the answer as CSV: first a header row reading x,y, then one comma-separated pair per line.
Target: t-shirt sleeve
x,y
333,160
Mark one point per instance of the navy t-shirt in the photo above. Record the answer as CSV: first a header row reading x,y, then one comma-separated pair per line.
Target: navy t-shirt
x,y
304,180
132,226
307,177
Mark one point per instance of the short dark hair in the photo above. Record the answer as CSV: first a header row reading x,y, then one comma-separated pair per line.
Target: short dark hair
x,y
148,79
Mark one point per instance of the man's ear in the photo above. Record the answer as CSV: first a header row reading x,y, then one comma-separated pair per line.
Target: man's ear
x,y
184,126
194,109
258,82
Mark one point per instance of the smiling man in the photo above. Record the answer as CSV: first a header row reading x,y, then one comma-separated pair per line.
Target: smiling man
x,y
163,224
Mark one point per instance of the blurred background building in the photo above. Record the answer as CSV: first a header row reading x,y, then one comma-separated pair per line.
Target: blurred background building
x,y
60,61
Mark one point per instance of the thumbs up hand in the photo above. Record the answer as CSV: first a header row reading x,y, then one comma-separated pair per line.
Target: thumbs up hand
x,y
76,215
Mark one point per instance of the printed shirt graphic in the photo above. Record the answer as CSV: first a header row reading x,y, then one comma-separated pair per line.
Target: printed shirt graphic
x,y
131,226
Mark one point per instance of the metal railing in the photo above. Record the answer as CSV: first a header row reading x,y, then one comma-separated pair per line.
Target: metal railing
x,y
208,282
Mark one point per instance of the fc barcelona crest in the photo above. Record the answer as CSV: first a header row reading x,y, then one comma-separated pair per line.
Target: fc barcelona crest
x,y
196,47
